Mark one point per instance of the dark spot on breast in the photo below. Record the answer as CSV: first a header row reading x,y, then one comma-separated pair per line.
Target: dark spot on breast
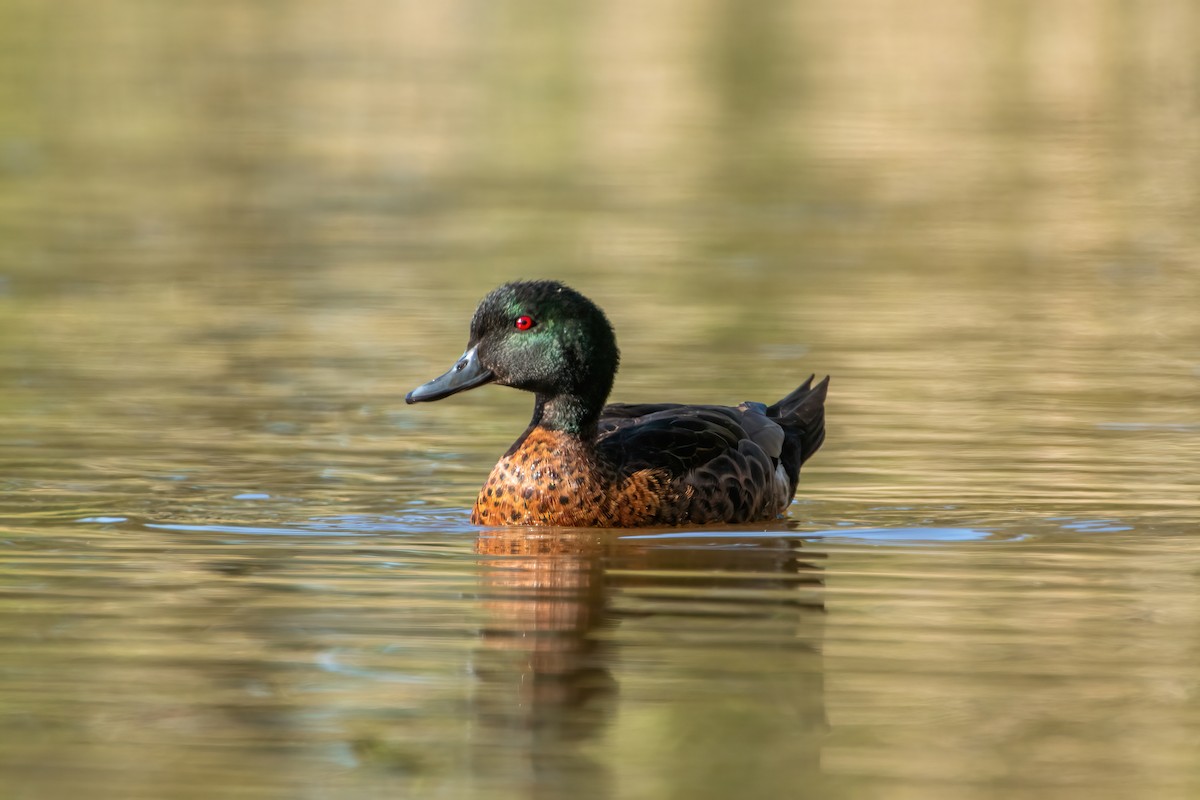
x,y
489,491
500,492
563,499
528,493
515,515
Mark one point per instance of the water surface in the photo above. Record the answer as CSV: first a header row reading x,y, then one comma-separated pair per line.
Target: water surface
x,y
233,563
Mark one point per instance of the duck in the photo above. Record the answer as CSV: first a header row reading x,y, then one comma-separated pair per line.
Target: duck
x,y
584,463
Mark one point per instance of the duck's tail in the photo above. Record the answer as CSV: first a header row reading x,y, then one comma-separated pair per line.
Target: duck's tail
x,y
802,416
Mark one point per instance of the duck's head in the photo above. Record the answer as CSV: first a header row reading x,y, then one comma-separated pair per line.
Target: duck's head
x,y
545,338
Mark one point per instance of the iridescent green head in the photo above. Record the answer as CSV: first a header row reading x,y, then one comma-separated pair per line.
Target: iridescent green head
x,y
545,338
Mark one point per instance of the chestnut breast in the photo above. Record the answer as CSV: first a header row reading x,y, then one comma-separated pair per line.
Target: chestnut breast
x,y
552,478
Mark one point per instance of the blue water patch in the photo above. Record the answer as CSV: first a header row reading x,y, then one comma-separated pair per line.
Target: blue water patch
x,y
1149,426
914,535
901,535
347,525
1093,525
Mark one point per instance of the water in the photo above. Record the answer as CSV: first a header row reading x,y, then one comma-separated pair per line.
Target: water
x,y
233,563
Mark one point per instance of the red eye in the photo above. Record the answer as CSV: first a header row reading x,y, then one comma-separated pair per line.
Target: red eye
x,y
524,322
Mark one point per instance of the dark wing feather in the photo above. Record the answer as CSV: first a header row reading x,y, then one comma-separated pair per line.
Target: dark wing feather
x,y
615,415
716,463
802,416
676,438
719,460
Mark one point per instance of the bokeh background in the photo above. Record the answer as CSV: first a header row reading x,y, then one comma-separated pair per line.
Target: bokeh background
x,y
234,234
981,219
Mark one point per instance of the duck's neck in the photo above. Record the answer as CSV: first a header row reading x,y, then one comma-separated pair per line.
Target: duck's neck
x,y
572,415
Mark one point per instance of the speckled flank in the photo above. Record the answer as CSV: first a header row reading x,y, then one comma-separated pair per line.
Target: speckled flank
x,y
553,479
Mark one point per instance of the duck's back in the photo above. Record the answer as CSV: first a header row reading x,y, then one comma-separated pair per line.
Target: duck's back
x,y
714,463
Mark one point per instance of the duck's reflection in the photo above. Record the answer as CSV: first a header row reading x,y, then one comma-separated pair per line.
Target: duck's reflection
x,y
545,599
701,611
